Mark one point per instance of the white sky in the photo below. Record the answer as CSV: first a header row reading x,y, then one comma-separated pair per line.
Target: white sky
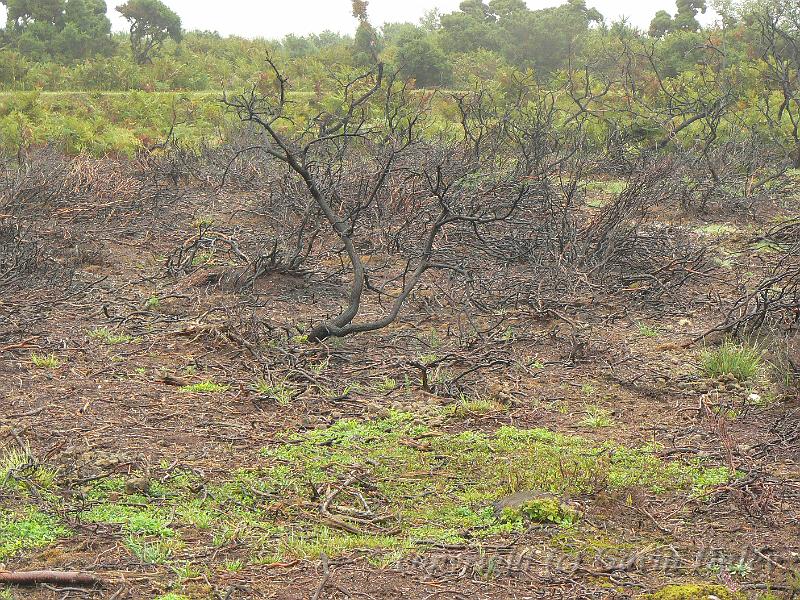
x,y
276,18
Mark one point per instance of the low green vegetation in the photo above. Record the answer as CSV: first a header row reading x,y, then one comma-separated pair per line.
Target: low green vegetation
x,y
281,392
27,529
610,187
396,474
17,467
105,335
597,417
153,552
717,229
204,387
695,591
541,510
393,484
741,361
647,331
477,405
100,124
386,385
45,361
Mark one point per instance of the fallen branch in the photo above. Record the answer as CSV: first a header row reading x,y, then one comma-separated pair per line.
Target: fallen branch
x,y
58,578
326,575
16,346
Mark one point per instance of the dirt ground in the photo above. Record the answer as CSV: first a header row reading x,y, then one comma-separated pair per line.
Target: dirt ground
x,y
127,339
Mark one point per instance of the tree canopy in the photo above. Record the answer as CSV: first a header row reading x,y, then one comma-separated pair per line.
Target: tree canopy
x,y
685,19
64,30
151,23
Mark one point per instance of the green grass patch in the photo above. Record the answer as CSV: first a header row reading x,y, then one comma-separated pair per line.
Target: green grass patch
x,y
105,335
741,361
441,488
478,405
136,515
542,510
154,552
394,485
768,247
386,385
613,187
27,529
717,229
18,470
204,387
281,392
647,331
597,417
695,591
45,361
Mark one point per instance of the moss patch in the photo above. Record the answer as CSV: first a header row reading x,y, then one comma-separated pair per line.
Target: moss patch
x,y
205,387
27,529
392,484
694,591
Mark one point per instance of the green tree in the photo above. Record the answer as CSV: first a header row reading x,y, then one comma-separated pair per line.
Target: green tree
x,y
87,30
32,25
152,23
22,13
686,18
477,9
431,20
469,29
418,57
366,46
67,30
507,9
546,38
661,24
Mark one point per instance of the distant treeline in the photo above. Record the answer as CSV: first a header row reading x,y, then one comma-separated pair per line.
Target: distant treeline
x,y
677,83
68,44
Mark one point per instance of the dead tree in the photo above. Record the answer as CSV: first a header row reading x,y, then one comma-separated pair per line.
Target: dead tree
x,y
778,43
380,161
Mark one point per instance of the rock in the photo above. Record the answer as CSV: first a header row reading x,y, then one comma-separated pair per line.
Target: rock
x,y
535,507
518,499
137,485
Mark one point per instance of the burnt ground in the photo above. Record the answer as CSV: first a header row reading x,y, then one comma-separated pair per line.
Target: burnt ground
x,y
119,408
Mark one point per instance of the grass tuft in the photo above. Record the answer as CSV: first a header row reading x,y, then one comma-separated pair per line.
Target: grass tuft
x,y
45,361
105,335
281,391
386,385
18,467
205,387
542,510
597,417
647,331
743,362
478,405
27,530
156,552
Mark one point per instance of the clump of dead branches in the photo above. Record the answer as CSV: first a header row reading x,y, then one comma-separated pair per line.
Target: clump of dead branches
x,y
773,300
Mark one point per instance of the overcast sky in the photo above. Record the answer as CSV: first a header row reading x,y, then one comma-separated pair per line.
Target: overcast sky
x,y
276,18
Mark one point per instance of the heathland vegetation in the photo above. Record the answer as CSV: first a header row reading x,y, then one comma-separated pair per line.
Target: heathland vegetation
x,y
501,304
